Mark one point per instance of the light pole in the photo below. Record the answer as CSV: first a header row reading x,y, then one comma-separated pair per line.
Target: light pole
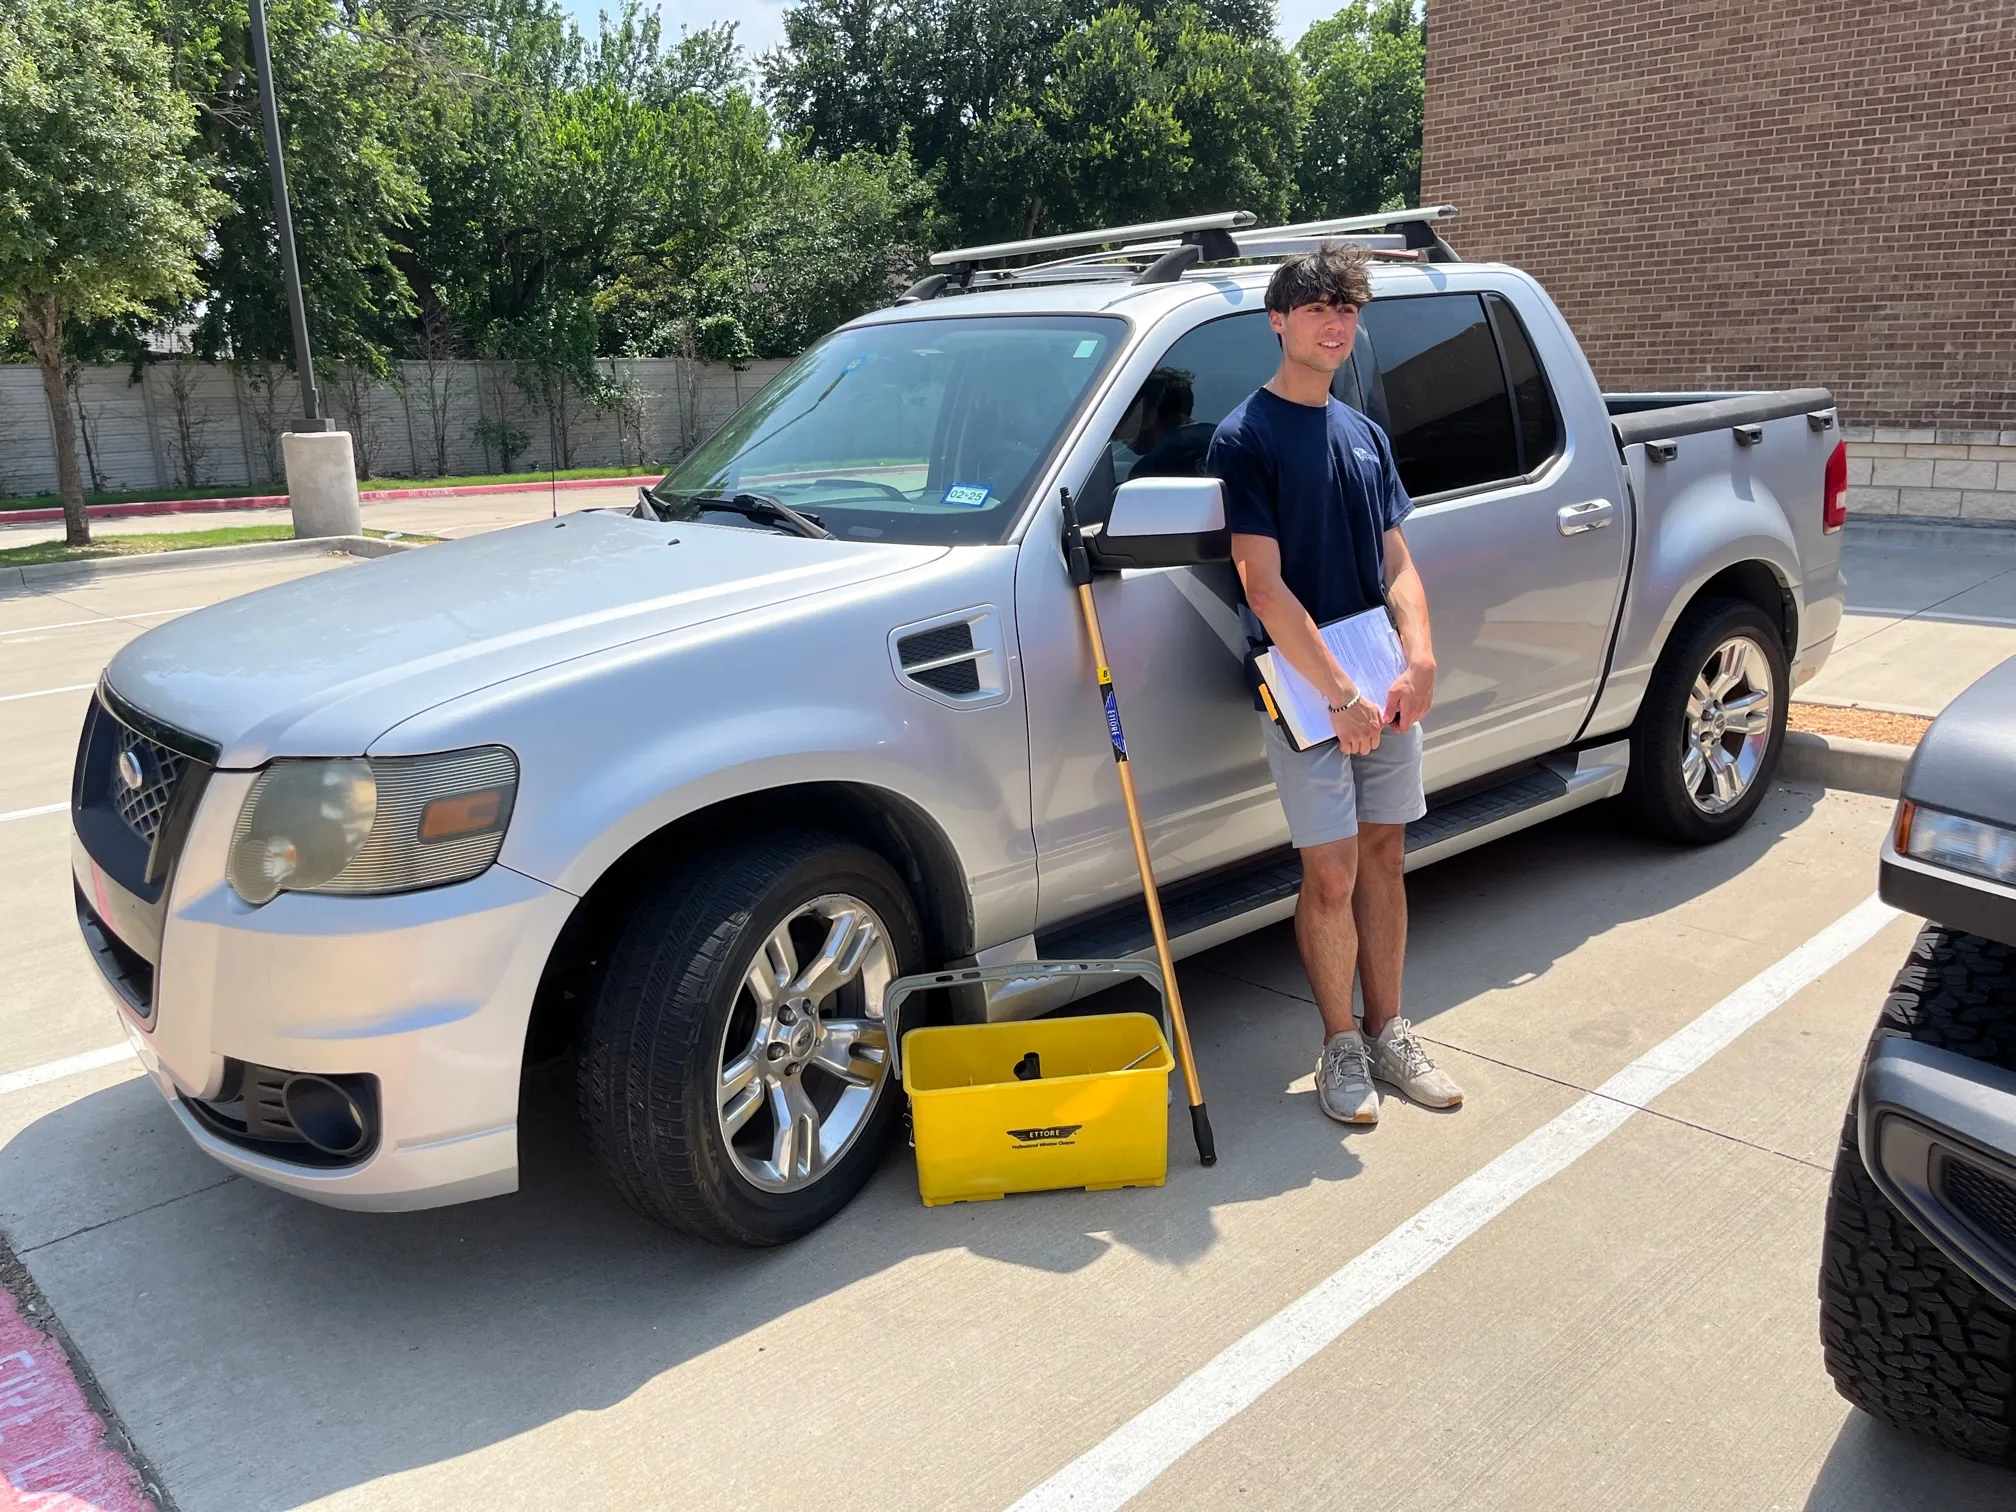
x,y
321,474
283,218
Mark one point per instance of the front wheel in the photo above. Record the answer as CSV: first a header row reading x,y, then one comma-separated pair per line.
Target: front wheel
x,y
735,1077
1713,721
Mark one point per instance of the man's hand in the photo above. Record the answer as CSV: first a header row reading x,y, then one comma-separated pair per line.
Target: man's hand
x,y
1411,695
1357,727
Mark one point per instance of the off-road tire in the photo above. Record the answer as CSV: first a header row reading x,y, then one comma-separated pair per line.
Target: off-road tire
x,y
1908,1336
649,1059
1654,792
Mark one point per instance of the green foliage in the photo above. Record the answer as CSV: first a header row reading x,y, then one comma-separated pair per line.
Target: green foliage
x,y
1037,115
1362,147
97,206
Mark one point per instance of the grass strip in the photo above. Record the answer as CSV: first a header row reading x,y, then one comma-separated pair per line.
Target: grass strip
x,y
245,490
180,540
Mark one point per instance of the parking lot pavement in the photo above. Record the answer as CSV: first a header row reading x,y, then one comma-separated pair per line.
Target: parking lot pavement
x,y
1928,612
1640,1330
464,514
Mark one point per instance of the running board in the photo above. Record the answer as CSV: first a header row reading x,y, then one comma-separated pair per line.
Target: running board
x,y
1211,910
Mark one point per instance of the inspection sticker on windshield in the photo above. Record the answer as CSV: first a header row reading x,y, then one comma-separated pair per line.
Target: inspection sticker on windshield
x,y
972,495
1087,347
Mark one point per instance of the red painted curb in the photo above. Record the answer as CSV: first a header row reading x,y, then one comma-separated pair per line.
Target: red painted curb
x,y
52,1445
275,501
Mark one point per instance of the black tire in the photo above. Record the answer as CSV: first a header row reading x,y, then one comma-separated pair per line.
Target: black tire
x,y
1908,1336
1655,791
651,1054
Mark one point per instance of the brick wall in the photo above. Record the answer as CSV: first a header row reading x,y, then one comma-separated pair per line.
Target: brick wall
x,y
1755,193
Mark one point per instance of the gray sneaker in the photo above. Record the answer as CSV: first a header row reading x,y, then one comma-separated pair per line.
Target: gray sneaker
x,y
1344,1087
1399,1058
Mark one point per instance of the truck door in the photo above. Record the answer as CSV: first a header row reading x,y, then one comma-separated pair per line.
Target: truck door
x,y
1174,640
1519,534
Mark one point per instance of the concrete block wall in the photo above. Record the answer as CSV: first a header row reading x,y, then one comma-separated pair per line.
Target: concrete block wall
x,y
220,425
1932,473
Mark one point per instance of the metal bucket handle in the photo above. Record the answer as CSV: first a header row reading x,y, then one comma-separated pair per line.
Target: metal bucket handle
x,y
898,992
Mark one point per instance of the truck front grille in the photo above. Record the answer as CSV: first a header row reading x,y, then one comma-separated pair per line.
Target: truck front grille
x,y
143,780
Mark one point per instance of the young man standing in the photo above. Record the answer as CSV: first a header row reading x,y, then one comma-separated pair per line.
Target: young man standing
x,y
1315,506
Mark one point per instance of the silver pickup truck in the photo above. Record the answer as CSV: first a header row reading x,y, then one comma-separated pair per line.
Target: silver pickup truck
x,y
673,793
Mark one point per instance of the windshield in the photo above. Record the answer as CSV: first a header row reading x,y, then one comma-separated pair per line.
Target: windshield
x,y
919,431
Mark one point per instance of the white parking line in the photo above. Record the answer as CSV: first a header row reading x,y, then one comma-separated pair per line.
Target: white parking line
x,y
1115,1471
45,692
102,619
47,808
48,1071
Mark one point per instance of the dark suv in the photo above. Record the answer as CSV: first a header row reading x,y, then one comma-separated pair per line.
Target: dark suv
x,y
1918,1276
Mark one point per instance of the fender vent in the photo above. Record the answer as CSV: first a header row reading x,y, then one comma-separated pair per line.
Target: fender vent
x,y
957,661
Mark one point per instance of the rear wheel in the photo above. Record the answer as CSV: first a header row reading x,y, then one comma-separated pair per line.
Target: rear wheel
x,y
735,1076
1909,1336
1709,732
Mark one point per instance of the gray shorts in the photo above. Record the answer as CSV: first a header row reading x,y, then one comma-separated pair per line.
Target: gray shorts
x,y
1328,794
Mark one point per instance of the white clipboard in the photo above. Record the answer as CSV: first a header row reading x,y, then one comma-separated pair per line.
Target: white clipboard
x,y
1366,646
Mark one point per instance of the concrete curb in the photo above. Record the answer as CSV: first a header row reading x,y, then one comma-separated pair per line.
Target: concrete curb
x,y
277,501
43,573
1835,761
1997,537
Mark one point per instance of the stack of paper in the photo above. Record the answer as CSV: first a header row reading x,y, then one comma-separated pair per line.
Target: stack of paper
x,y
1368,650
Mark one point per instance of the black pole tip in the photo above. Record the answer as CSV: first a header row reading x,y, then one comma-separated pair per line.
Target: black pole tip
x,y
1200,1125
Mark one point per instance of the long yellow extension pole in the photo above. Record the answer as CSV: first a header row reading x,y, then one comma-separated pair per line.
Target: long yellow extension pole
x,y
1080,566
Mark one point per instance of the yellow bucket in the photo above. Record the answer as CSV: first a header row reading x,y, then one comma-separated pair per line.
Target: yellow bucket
x,y
1085,1122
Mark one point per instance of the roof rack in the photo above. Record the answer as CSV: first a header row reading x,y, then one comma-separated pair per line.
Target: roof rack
x,y
1161,251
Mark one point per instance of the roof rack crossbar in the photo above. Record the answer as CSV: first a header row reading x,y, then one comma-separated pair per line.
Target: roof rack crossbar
x,y
1223,221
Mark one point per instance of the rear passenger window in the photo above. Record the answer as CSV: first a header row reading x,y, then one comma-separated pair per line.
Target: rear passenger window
x,y
1539,422
1439,391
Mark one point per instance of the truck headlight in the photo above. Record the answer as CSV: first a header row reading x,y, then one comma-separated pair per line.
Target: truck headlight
x,y
372,825
1957,844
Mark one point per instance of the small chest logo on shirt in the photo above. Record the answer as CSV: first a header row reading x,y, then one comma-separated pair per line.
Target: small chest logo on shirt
x,y
1363,455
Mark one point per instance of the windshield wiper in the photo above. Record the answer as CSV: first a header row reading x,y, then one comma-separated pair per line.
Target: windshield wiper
x,y
766,510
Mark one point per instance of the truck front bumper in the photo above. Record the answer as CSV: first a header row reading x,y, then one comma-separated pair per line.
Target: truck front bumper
x,y
418,1003
1938,1136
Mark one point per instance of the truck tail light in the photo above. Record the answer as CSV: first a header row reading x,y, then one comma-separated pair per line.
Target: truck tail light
x,y
1834,490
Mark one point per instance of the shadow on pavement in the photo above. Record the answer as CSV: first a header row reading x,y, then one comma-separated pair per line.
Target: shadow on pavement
x,y
267,1352
1873,1467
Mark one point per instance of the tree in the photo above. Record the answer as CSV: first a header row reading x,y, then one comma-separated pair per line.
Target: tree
x,y
1362,147
99,209
1042,114
359,98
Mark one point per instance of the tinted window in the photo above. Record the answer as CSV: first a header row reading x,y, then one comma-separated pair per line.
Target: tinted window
x,y
1439,392
1539,423
1168,425
923,430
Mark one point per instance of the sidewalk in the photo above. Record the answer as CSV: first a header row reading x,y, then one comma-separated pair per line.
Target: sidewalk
x,y
1928,612
464,515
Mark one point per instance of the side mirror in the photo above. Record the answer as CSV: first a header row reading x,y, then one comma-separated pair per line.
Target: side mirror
x,y
1162,522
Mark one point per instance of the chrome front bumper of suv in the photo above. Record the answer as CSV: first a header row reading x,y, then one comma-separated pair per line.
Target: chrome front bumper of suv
x,y
407,1010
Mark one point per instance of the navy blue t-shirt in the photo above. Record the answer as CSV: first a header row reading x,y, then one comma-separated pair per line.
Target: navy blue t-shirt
x,y
1322,483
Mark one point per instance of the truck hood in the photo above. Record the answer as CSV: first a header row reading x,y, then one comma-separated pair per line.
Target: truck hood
x,y
326,665
1965,762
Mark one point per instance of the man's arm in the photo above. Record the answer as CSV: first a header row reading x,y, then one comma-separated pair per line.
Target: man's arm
x,y
1296,637
1414,689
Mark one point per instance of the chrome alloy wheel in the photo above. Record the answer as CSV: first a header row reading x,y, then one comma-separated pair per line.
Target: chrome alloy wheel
x,y
1728,725
805,1051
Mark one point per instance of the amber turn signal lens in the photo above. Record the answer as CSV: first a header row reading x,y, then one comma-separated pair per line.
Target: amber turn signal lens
x,y
464,814
1902,834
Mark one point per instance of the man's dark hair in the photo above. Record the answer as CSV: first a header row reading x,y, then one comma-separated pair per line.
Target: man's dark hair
x,y
1333,274
1168,394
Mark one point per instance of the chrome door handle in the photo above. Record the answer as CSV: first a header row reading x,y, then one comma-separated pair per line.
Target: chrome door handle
x,y
1592,514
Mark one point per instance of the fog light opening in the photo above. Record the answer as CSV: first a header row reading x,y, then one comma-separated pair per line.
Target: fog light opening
x,y
327,1116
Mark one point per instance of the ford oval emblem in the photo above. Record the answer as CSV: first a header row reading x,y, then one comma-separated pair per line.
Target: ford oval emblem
x,y
130,771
